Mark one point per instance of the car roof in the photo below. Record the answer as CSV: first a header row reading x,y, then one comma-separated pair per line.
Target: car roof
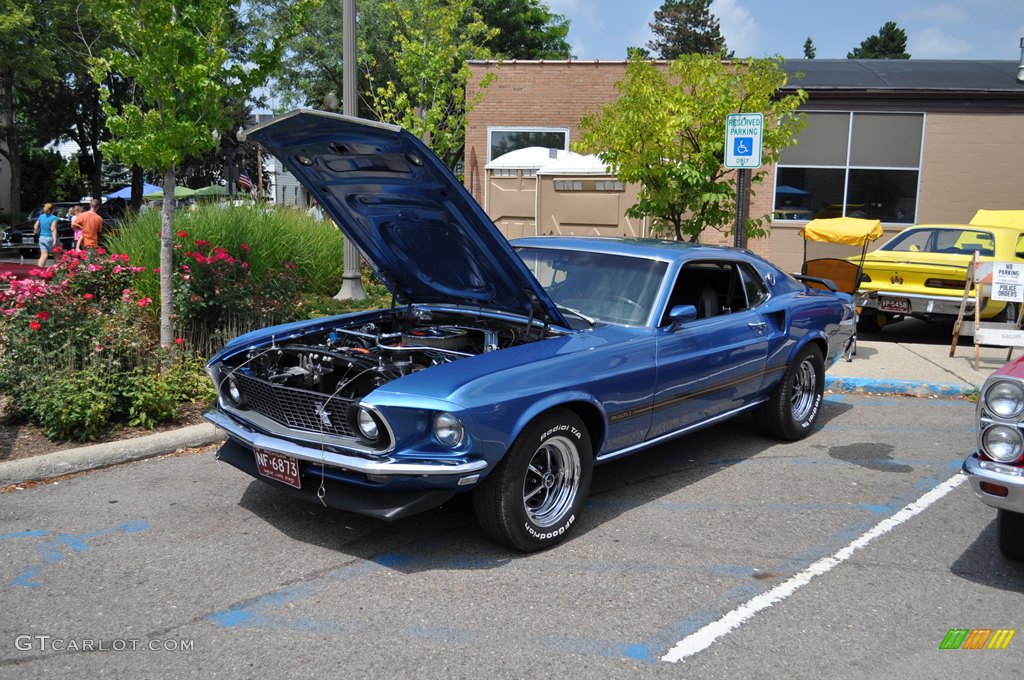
x,y
663,249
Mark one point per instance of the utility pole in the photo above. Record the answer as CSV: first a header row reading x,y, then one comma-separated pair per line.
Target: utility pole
x,y
351,284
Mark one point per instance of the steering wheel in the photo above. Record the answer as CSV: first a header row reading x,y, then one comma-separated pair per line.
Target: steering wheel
x,y
623,298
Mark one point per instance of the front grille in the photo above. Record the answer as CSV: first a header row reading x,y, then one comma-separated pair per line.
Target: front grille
x,y
295,408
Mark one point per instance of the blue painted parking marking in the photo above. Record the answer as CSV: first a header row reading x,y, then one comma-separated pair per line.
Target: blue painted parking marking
x,y
55,549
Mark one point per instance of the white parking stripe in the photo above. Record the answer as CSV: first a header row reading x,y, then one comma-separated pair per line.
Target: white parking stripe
x,y
706,636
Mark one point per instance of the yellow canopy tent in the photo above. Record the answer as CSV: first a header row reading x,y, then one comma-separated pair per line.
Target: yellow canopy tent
x,y
851,231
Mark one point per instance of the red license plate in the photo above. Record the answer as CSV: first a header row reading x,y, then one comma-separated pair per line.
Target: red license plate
x,y
894,304
276,466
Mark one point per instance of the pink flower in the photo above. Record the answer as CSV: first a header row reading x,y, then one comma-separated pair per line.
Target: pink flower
x,y
35,325
200,243
88,296
179,341
144,302
156,270
98,348
182,234
101,251
245,248
43,316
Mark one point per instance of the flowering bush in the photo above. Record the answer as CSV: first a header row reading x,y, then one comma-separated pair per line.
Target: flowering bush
x,y
76,344
215,292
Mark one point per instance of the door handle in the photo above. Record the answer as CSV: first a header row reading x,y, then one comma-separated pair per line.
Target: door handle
x,y
758,326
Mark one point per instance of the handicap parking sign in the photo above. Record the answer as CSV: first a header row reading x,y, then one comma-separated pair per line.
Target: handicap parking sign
x,y
743,139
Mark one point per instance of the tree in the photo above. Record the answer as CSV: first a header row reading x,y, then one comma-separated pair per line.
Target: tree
x,y
890,43
25,62
809,51
187,80
527,29
667,133
686,27
432,41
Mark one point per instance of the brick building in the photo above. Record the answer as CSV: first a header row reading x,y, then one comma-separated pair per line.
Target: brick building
x,y
906,141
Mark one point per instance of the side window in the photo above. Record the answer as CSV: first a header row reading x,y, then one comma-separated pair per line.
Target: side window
x,y
753,286
716,288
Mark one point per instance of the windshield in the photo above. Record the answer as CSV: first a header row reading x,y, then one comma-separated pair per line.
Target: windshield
x,y
611,288
944,240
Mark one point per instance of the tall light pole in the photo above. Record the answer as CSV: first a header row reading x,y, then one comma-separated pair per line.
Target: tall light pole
x,y
351,285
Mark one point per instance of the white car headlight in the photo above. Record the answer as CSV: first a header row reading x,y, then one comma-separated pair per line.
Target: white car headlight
x,y
448,429
1002,443
1005,399
367,425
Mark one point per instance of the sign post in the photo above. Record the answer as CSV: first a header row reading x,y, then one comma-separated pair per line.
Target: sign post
x,y
743,141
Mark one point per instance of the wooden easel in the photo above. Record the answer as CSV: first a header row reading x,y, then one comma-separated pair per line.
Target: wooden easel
x,y
979,287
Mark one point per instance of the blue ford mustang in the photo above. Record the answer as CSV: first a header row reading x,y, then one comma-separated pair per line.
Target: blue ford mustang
x,y
505,370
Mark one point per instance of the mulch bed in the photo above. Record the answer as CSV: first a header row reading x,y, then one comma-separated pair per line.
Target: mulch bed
x,y
24,440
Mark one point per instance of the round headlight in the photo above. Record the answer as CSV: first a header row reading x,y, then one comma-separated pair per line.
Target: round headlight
x,y
448,429
367,425
233,392
1005,399
1002,443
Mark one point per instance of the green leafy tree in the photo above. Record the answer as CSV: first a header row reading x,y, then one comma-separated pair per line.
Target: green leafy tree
x,y
809,51
666,132
527,29
890,43
433,40
686,27
25,62
187,81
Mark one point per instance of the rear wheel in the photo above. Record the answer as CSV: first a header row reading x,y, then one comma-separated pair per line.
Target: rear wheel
x,y
794,405
531,500
1010,527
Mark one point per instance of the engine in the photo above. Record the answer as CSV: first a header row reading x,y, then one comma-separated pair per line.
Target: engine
x,y
350,361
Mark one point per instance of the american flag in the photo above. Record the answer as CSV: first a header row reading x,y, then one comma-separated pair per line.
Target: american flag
x,y
244,181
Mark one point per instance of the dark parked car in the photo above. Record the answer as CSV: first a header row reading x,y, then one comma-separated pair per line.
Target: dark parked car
x,y
505,370
996,469
22,237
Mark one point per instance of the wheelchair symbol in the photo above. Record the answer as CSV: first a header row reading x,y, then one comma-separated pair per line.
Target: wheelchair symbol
x,y
743,146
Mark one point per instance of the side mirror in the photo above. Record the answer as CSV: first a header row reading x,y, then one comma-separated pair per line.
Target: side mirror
x,y
681,314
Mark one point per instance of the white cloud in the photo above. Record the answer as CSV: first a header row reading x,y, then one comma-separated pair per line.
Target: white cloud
x,y
934,43
738,27
942,13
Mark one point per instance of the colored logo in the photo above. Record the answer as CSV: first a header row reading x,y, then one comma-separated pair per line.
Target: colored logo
x,y
977,638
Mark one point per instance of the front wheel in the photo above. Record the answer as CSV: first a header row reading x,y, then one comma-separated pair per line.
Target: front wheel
x,y
1010,527
531,500
793,408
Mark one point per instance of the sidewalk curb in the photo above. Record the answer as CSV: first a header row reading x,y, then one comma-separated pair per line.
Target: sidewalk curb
x,y
50,465
908,388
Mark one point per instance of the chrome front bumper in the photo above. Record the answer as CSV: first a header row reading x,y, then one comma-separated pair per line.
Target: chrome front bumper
x,y
385,466
1006,476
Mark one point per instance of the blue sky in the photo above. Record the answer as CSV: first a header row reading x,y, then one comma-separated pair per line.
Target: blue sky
x,y
961,29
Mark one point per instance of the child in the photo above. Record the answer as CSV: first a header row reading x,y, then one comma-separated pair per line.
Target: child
x,y
74,213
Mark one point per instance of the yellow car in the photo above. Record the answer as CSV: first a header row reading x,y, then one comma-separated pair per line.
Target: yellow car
x,y
922,271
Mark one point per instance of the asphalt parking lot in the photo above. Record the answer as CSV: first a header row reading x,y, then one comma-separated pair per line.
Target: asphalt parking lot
x,y
721,554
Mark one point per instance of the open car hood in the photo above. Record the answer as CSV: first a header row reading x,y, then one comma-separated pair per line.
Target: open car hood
x,y
418,227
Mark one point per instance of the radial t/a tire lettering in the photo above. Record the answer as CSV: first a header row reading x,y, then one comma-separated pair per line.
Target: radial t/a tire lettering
x,y
1010,527
534,496
793,408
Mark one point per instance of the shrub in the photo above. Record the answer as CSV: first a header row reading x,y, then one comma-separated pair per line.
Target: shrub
x,y
275,236
79,349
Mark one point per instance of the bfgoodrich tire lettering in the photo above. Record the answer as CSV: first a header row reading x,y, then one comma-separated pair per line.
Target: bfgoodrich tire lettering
x,y
793,407
1010,527
533,498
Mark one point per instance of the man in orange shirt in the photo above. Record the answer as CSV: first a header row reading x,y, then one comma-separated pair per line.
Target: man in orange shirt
x,y
91,224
